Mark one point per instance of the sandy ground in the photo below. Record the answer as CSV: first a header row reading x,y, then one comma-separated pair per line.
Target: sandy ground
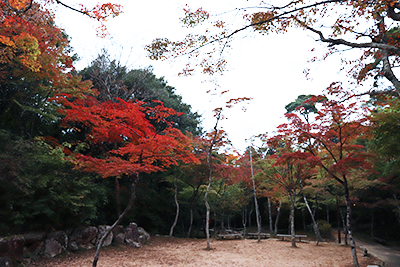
x,y
164,251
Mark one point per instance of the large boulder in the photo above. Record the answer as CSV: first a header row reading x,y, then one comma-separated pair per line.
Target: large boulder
x,y
143,236
102,229
119,234
132,235
12,247
34,243
83,238
55,244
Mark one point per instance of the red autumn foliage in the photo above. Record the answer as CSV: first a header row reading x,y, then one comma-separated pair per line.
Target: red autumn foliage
x,y
121,140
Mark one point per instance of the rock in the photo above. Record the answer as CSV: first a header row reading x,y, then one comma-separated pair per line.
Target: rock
x,y
5,262
143,236
102,229
82,238
132,235
12,247
34,243
119,234
55,244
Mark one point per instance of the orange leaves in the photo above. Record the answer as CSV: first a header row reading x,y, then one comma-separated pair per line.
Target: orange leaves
x,y
102,12
19,5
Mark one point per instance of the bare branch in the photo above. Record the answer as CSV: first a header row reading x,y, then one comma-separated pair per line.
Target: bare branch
x,y
228,36
74,9
333,42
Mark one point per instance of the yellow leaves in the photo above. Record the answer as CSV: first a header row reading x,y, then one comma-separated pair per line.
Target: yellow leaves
x,y
29,48
23,48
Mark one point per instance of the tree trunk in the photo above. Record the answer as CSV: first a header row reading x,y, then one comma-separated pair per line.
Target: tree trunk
x,y
255,201
270,215
348,221
207,214
397,210
292,231
109,230
191,222
315,225
372,222
304,219
117,199
244,221
251,211
327,212
177,209
344,227
277,217
338,220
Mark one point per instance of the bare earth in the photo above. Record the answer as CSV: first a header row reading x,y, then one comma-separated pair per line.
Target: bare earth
x,y
164,251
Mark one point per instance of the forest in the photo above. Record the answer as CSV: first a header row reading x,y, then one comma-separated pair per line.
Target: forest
x,y
112,144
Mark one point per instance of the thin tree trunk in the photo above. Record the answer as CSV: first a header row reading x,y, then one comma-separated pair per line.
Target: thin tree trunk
x,y
208,213
244,221
338,220
270,215
117,198
315,225
397,203
255,201
327,212
372,222
292,231
348,220
251,211
304,219
277,217
344,227
191,222
209,158
109,230
177,209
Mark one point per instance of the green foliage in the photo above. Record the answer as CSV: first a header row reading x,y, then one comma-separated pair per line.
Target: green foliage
x,y
113,80
324,228
41,191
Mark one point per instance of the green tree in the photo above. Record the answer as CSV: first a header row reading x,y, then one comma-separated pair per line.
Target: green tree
x,y
40,190
113,80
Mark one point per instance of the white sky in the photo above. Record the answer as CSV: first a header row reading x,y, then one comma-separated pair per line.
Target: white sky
x,y
267,68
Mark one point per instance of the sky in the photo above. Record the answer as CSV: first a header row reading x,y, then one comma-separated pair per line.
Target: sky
x,y
267,68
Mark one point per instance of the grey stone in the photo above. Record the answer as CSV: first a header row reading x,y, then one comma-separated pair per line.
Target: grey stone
x,y
55,244
132,235
102,229
12,247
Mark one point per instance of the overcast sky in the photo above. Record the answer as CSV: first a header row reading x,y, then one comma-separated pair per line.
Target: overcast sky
x,y
267,68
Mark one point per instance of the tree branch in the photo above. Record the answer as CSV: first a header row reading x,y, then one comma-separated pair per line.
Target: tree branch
x,y
74,9
333,42
228,36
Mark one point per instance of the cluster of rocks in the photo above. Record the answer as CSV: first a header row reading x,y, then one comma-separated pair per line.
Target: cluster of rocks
x,y
14,249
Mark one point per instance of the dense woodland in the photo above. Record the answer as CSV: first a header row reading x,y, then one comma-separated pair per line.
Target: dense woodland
x,y
73,144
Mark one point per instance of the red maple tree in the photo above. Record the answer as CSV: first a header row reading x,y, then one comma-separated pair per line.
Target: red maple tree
x,y
120,140
332,137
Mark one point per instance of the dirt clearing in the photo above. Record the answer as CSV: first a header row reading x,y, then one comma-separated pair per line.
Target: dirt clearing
x,y
164,251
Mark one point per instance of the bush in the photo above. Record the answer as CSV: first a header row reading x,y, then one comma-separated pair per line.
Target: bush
x,y
324,228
